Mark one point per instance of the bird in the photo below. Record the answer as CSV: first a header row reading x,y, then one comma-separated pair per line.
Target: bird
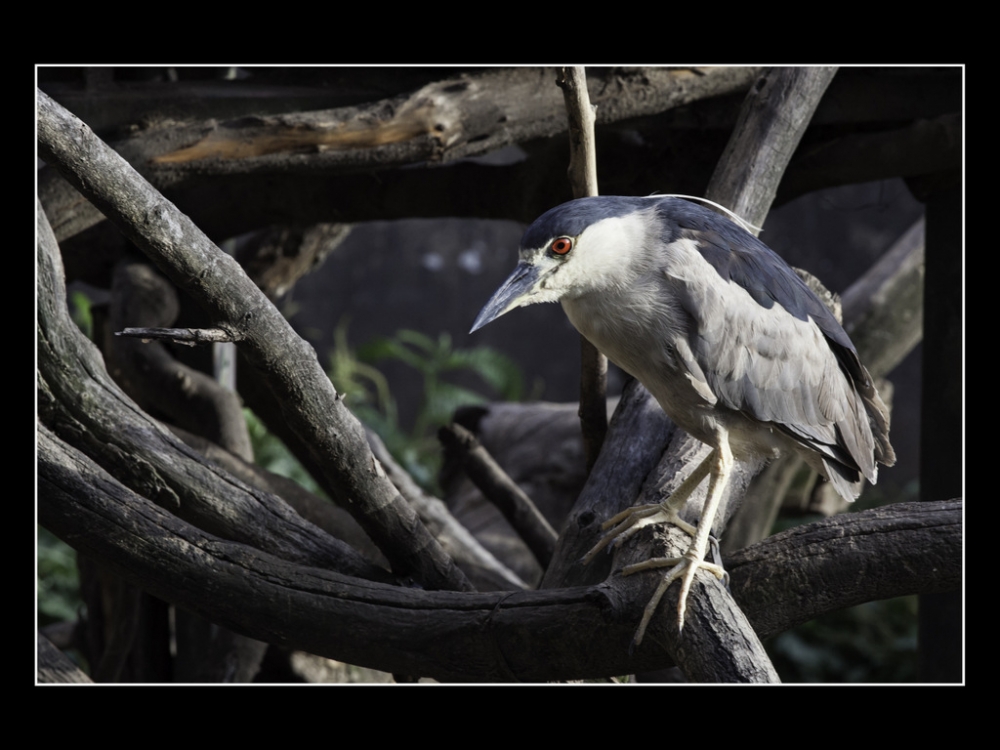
x,y
732,344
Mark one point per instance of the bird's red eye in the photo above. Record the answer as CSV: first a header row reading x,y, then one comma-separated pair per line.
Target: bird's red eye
x,y
561,245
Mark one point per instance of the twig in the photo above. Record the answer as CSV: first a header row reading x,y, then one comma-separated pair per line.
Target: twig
x,y
581,114
500,490
185,336
582,173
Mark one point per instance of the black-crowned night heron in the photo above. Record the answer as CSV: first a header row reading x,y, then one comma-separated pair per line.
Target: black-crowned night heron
x,y
732,344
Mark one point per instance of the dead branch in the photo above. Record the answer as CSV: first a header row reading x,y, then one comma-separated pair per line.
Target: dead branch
x,y
216,281
461,446
503,636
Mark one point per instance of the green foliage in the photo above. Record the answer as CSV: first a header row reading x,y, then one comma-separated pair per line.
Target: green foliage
x,y
367,393
82,316
58,581
873,642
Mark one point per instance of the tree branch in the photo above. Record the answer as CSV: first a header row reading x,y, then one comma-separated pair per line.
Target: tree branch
x,y
771,123
884,309
583,180
217,282
55,666
149,372
846,560
441,122
461,445
926,146
80,402
501,636
483,569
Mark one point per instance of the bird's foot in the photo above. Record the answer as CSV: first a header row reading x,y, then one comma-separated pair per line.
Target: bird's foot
x,y
680,567
624,525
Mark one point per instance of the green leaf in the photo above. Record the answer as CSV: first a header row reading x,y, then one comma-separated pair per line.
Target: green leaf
x,y
368,395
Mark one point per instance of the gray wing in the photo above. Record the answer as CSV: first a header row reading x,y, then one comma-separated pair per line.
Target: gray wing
x,y
766,346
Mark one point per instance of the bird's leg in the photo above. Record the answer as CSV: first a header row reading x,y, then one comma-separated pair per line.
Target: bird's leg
x,y
721,464
627,523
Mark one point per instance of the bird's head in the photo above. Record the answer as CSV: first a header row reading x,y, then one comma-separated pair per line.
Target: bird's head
x,y
584,246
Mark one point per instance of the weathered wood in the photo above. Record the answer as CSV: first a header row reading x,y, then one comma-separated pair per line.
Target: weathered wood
x,y
923,147
636,438
825,566
502,636
461,445
582,173
443,121
771,123
312,406
440,122
182,336
80,402
54,666
884,309
582,170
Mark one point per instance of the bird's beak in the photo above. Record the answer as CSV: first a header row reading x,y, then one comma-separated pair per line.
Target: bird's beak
x,y
511,294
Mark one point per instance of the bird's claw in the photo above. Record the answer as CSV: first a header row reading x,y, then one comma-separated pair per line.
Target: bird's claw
x,y
681,567
627,523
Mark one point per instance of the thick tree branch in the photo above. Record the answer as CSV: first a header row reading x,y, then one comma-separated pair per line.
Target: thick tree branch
x,y
317,510
528,636
440,122
923,147
470,115
829,565
55,666
217,282
884,309
80,402
772,121
636,436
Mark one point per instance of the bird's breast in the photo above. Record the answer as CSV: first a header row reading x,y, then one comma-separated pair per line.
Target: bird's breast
x,y
644,338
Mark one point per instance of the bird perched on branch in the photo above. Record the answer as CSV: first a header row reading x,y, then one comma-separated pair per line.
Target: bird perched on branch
x,y
736,349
